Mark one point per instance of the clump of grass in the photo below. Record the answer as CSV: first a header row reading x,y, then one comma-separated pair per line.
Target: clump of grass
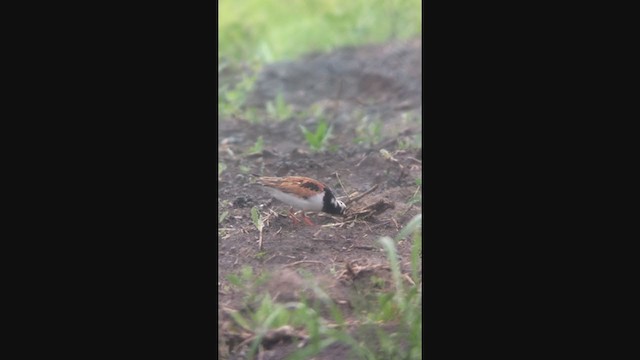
x,y
231,98
258,221
256,218
318,139
279,109
242,279
395,315
408,301
257,147
222,216
246,281
297,319
265,317
251,115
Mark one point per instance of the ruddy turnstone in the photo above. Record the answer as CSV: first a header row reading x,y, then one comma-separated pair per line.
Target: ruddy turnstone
x,y
303,193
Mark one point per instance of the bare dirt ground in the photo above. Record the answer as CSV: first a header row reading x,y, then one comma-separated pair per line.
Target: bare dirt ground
x,y
353,87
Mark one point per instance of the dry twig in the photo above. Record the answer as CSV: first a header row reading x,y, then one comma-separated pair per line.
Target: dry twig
x,y
304,262
409,279
342,186
367,212
363,158
363,194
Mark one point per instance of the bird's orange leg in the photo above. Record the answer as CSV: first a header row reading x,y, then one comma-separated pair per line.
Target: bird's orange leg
x,y
307,219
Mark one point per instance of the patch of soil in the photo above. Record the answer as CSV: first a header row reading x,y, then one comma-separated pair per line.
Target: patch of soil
x,y
382,81
377,77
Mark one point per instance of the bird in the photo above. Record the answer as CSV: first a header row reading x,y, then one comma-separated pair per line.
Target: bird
x,y
303,193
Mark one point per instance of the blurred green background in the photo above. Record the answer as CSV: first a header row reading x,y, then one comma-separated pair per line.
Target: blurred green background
x,y
272,30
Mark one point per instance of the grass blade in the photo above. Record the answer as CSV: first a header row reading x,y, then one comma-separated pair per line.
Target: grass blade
x,y
389,245
411,227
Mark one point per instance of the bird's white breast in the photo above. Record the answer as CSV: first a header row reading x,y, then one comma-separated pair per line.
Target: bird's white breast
x,y
312,203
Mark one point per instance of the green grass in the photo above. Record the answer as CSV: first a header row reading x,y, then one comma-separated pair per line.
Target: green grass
x,y
222,216
258,221
279,109
247,282
232,97
318,139
271,30
256,218
389,325
257,147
